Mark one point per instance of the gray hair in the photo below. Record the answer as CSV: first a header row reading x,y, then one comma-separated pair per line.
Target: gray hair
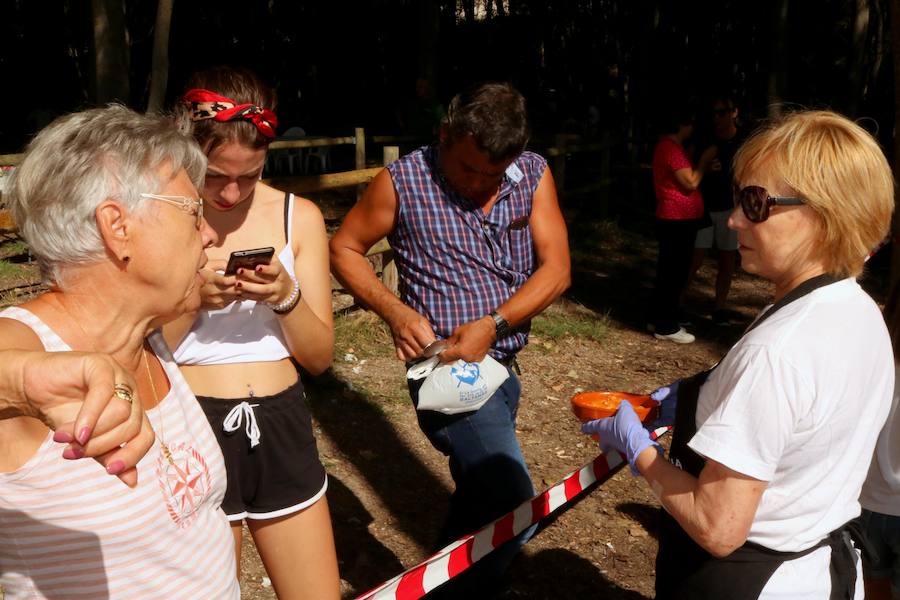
x,y
83,159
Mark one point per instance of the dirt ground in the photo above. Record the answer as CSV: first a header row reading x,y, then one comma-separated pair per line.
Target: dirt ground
x,y
388,488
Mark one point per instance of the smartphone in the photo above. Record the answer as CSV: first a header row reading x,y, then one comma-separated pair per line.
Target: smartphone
x,y
248,259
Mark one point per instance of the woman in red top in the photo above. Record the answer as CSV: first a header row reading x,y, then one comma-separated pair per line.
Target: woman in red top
x,y
679,214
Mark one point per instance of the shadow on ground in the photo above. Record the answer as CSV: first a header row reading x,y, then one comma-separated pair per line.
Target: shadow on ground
x,y
532,577
613,267
365,562
410,492
645,514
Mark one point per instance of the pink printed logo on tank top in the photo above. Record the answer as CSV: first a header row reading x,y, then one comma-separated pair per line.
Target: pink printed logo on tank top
x,y
184,483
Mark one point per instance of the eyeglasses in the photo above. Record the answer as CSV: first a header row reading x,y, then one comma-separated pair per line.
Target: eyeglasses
x,y
193,206
755,201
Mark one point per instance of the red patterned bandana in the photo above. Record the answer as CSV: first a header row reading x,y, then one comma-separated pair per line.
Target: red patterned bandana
x,y
209,105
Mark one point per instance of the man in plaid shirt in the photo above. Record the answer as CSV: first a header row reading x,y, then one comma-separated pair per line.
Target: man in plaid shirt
x,y
481,247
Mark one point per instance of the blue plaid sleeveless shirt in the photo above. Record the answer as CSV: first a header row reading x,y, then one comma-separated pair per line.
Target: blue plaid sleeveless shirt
x,y
455,263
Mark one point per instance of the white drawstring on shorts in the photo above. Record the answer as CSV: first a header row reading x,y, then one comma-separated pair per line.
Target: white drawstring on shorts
x,y
233,421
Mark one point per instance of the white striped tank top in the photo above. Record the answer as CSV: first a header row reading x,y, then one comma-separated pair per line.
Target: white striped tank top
x,y
70,530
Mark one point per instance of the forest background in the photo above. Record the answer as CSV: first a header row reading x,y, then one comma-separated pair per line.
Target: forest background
x,y
597,73
586,66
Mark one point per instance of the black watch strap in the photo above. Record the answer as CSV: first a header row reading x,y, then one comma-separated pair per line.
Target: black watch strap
x,y
501,324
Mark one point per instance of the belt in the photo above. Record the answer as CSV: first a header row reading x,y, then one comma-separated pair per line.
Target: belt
x,y
511,363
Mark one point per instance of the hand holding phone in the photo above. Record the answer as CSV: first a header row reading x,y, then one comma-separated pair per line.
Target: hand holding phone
x,y
248,259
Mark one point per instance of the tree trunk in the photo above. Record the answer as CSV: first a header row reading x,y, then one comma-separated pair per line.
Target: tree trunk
x,y
858,58
111,52
500,11
469,10
895,52
638,59
429,32
879,33
778,69
159,72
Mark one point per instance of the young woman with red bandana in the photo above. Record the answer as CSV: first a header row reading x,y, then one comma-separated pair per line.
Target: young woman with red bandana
x,y
238,352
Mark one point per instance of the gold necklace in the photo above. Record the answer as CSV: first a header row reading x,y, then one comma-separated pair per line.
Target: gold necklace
x,y
165,448
89,340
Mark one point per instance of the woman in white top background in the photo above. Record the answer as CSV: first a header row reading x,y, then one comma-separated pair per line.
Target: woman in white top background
x,y
238,352
880,498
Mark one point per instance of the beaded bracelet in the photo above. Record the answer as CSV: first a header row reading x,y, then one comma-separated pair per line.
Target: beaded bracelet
x,y
288,304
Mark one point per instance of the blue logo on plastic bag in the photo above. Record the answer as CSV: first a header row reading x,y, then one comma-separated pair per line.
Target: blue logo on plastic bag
x,y
467,373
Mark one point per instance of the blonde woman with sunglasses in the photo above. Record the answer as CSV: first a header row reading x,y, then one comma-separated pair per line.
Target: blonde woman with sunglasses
x,y
771,447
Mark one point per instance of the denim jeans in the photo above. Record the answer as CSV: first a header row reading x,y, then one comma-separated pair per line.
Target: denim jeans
x,y
488,468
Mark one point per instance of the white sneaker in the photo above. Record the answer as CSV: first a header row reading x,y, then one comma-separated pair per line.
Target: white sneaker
x,y
679,337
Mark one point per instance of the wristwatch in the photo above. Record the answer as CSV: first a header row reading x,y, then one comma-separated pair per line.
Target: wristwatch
x,y
501,324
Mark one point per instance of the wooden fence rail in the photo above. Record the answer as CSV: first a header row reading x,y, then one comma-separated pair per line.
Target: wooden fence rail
x,y
307,184
564,146
10,160
314,142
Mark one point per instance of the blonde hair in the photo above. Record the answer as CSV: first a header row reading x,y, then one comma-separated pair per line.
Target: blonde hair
x,y
841,172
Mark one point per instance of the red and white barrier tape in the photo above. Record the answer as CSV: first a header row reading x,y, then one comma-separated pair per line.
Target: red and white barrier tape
x,y
880,245
458,556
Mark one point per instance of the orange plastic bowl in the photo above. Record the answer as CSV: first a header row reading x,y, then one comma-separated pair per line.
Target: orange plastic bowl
x,y
588,406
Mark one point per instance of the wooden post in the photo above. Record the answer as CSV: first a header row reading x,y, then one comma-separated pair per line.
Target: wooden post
x,y
559,164
390,154
605,152
159,70
6,221
389,275
360,138
112,52
359,135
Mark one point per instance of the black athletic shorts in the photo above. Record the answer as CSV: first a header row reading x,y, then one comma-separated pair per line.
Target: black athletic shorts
x,y
280,474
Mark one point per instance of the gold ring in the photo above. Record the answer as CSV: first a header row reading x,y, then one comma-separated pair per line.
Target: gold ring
x,y
123,391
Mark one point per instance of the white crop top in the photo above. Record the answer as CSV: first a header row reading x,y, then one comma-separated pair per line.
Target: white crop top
x,y
243,331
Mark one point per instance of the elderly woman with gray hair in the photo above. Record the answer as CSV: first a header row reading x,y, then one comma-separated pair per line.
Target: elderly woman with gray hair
x,y
107,201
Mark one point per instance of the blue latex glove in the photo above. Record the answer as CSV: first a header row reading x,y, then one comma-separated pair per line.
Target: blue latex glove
x,y
667,396
623,432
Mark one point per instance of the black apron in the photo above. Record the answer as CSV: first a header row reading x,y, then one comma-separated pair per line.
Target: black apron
x,y
684,570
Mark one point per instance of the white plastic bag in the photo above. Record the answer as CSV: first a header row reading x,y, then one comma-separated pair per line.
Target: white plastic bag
x,y
459,386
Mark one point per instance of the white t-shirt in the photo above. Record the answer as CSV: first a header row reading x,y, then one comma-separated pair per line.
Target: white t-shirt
x,y
798,402
881,491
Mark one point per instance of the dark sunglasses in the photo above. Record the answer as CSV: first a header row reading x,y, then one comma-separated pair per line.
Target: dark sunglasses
x,y
755,201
